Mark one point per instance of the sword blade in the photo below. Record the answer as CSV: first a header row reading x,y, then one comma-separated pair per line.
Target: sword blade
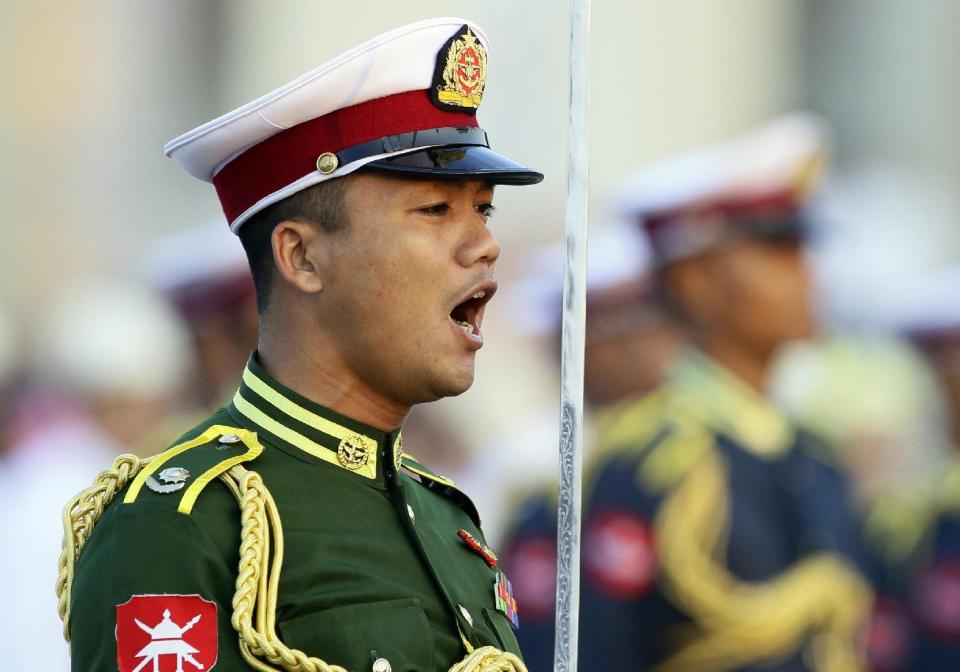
x,y
572,349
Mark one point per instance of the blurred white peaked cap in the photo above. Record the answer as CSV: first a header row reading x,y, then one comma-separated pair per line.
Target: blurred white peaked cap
x,y
193,256
773,157
927,304
401,94
108,338
681,200
617,254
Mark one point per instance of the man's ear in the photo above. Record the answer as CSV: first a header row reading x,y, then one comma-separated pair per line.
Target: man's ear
x,y
297,251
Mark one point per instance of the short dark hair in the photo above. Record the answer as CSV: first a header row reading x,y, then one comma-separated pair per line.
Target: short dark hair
x,y
322,204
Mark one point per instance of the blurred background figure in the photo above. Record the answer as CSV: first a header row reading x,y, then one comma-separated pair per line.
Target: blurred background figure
x,y
717,535
110,361
878,402
874,397
915,529
204,274
630,342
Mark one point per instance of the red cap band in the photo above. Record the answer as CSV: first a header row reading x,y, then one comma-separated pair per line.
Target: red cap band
x,y
292,154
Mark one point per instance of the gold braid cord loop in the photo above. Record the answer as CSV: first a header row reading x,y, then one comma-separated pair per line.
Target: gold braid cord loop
x,y
489,659
255,600
80,515
820,598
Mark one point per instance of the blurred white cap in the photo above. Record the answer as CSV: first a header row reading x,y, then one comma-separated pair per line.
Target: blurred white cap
x,y
617,254
695,201
103,337
926,304
195,256
771,158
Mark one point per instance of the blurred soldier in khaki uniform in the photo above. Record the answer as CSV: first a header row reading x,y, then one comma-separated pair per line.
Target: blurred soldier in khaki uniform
x,y
291,529
717,536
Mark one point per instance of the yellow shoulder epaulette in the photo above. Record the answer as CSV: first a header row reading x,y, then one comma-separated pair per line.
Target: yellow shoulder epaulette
x,y
411,463
674,454
187,467
631,424
441,484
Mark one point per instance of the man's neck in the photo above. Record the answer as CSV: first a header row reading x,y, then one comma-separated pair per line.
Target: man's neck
x,y
321,376
750,366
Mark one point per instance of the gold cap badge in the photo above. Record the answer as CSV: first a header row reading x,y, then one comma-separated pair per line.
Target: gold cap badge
x,y
461,73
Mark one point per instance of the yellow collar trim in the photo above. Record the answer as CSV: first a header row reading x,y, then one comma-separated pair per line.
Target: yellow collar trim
x,y
296,439
725,402
298,412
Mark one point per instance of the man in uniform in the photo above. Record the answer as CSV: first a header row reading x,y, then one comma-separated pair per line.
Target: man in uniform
x,y
716,536
290,530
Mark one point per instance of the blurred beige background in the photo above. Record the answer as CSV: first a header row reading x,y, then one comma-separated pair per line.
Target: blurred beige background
x,y
92,90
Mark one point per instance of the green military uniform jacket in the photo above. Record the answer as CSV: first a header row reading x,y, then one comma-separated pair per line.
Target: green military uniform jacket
x,y
375,564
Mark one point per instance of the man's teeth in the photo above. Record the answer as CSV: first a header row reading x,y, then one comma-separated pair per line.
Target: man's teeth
x,y
466,326
480,294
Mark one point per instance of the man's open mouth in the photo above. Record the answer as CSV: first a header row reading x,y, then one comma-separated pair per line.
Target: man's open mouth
x,y
468,314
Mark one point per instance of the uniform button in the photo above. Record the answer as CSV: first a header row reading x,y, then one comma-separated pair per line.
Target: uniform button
x,y
229,439
413,516
382,665
466,615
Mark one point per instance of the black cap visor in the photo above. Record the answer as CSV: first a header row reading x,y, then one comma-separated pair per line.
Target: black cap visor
x,y
459,162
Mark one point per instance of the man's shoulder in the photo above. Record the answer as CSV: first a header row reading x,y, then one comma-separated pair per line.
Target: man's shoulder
x,y
440,485
179,482
176,477
141,510
649,444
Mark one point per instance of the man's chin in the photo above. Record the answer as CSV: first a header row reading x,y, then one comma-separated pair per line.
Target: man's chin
x,y
453,384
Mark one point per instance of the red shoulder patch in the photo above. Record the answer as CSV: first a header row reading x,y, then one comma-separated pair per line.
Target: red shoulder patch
x,y
532,562
619,555
166,633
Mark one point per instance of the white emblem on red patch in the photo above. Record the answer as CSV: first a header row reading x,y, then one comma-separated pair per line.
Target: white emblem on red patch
x,y
619,554
936,600
533,567
166,633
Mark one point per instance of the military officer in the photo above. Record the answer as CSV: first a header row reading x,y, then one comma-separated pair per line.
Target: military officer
x,y
716,535
290,530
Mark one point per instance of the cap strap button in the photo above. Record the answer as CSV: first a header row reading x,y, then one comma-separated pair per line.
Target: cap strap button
x,y
327,163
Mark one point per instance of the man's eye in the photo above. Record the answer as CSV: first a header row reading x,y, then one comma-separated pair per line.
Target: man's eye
x,y
486,209
435,209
